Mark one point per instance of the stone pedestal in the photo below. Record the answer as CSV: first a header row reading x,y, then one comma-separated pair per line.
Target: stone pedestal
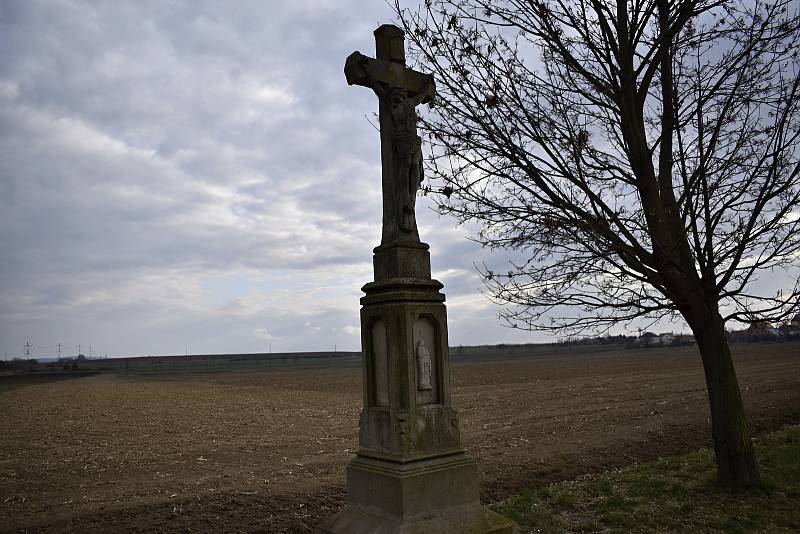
x,y
402,260
410,474
437,495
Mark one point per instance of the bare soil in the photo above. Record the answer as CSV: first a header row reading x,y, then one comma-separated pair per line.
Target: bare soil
x,y
266,451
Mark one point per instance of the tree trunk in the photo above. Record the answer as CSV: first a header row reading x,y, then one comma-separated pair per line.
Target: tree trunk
x,y
736,460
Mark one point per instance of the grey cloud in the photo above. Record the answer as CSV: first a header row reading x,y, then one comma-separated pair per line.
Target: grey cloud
x,y
148,147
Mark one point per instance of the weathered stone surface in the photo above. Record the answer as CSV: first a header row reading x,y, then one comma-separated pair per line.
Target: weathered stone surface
x,y
362,70
425,372
402,289
410,474
434,496
416,423
400,90
402,260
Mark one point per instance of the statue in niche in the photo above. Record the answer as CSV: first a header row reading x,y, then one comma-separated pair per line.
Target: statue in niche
x,y
423,366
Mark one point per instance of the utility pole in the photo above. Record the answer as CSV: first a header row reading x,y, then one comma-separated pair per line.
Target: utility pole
x,y
27,350
90,352
59,351
79,349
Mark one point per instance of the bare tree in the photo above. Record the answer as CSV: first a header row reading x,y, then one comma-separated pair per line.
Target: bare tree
x,y
641,155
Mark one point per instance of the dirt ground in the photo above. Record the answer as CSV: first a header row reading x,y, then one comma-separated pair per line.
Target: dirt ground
x,y
266,452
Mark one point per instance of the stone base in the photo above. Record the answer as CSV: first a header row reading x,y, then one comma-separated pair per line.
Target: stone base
x,y
434,496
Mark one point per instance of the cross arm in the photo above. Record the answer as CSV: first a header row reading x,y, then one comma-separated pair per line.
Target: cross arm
x,y
368,72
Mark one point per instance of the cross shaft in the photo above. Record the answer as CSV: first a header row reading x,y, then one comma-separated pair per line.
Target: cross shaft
x,y
400,90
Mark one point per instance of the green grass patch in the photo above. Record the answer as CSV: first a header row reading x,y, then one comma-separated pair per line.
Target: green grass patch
x,y
677,494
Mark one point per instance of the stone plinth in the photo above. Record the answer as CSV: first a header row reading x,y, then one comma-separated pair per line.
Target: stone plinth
x,y
438,495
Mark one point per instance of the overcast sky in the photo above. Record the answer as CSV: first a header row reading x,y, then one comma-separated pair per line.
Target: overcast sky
x,y
197,175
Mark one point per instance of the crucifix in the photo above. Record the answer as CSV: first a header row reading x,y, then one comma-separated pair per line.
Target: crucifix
x,y
400,90
410,473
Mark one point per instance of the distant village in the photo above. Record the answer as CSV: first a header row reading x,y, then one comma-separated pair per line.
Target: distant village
x,y
761,331
764,331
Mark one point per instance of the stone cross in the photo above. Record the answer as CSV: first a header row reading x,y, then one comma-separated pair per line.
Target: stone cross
x,y
410,473
400,90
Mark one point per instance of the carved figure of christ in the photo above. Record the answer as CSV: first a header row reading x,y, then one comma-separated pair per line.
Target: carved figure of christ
x,y
400,90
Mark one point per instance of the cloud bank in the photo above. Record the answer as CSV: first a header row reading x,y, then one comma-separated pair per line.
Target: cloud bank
x,y
197,176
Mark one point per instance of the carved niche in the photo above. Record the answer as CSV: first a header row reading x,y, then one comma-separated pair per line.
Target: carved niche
x,y
426,360
380,364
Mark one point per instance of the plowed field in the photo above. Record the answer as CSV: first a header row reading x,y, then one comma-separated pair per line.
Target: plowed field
x,y
266,451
